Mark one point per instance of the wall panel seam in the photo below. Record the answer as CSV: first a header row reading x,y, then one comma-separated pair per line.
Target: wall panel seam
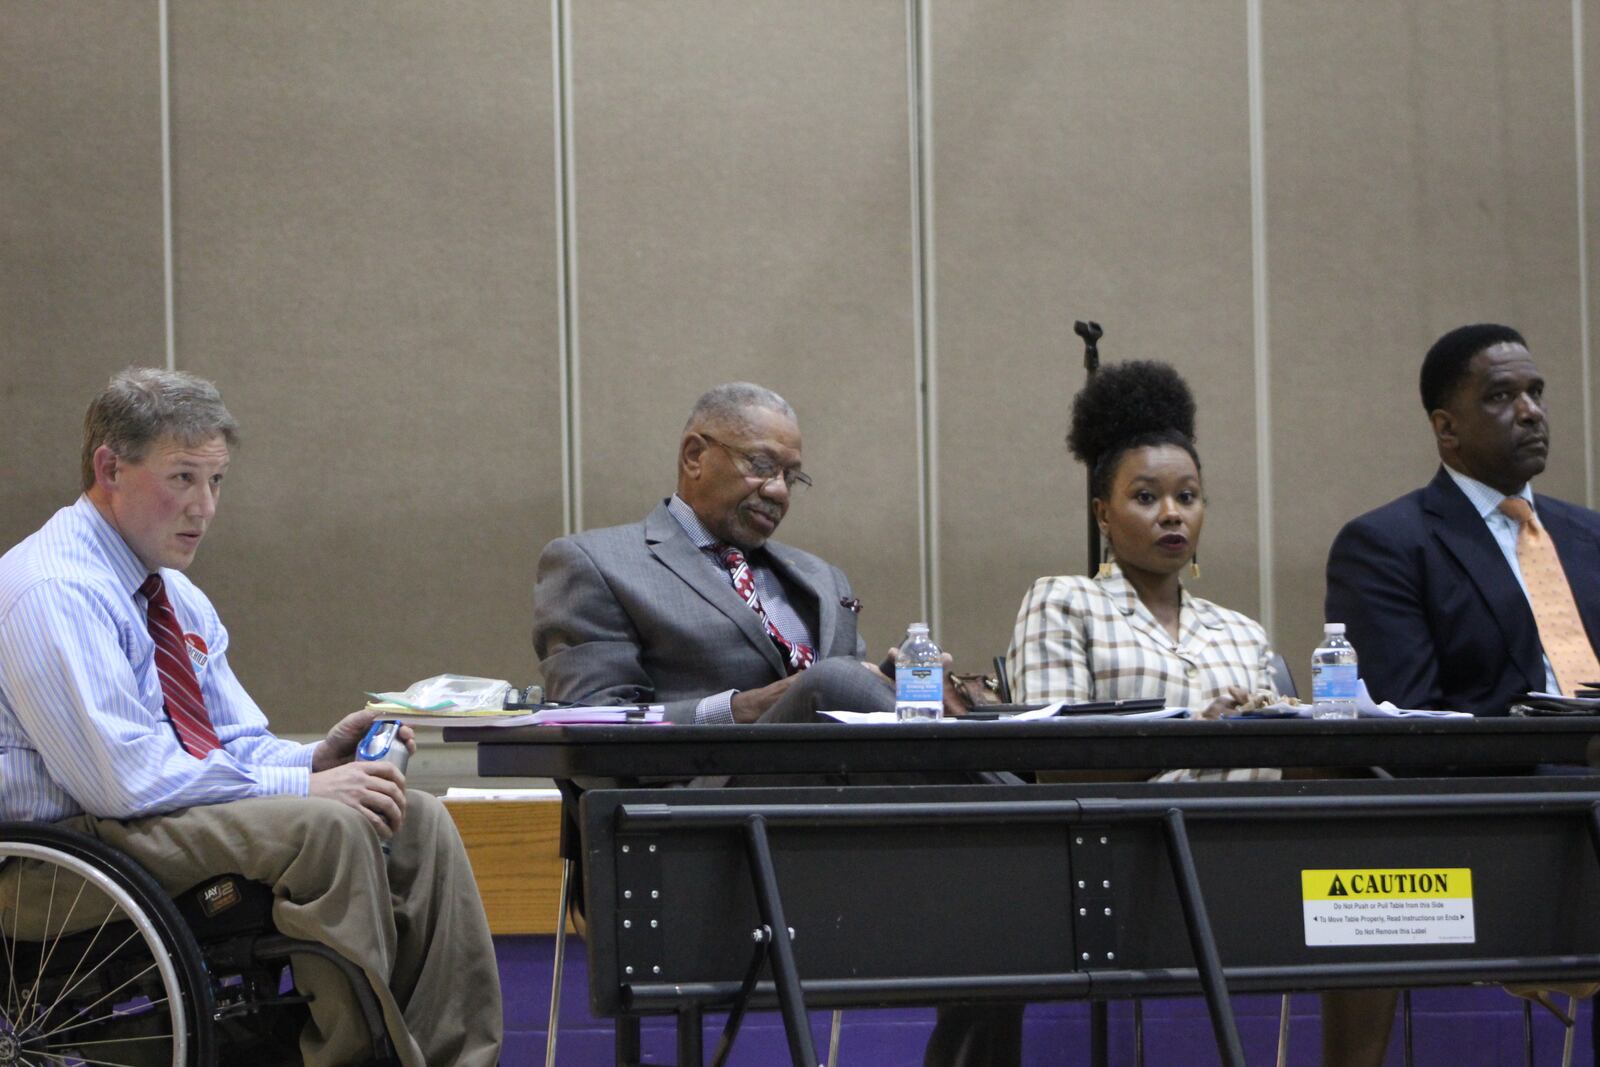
x,y
168,302
919,86
1586,366
1259,306
566,267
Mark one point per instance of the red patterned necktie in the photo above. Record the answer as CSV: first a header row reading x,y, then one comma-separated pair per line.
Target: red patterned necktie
x,y
796,655
185,706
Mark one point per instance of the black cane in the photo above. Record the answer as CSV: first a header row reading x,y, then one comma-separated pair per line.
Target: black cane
x,y
1091,334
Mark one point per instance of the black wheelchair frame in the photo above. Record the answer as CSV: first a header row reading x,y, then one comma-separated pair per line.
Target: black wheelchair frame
x,y
117,972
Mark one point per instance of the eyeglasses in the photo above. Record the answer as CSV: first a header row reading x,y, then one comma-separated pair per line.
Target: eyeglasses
x,y
761,467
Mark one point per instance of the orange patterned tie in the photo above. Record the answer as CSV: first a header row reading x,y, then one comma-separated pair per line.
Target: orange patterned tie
x,y
1560,627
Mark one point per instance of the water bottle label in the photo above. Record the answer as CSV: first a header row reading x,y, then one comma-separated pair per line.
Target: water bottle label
x,y
1334,681
919,685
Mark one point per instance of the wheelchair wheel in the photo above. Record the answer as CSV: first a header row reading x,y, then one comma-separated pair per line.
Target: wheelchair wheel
x,y
98,968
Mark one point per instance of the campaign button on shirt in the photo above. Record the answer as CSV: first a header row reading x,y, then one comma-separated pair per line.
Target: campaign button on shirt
x,y
198,654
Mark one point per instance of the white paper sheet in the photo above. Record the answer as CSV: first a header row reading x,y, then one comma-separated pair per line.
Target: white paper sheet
x,y
1366,709
653,714
1046,712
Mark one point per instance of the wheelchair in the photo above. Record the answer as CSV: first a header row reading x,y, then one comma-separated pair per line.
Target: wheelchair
x,y
99,966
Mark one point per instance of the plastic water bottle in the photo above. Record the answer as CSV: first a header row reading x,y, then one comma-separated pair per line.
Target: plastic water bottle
x,y
918,677
1335,677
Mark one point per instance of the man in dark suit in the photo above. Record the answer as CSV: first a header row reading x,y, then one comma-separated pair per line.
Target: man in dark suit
x,y
1429,587
659,611
1434,595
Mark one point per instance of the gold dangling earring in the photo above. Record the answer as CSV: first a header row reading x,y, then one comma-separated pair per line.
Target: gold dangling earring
x,y
1194,566
1106,566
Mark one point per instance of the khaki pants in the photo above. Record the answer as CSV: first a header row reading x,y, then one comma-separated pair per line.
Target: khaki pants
x,y
412,920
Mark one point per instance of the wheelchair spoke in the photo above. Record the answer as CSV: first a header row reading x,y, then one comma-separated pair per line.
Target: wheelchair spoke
x,y
49,1058
55,1038
49,908
73,980
73,1059
98,1020
55,1057
101,971
10,941
11,955
102,999
22,1007
123,1040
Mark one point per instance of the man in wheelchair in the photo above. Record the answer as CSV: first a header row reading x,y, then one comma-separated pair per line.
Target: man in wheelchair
x,y
120,718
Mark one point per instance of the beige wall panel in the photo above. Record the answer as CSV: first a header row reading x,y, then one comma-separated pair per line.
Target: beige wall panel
x,y
1420,176
1092,163
743,212
365,264
80,233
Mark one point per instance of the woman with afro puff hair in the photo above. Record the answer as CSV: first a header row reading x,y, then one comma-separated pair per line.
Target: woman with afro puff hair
x,y
1134,631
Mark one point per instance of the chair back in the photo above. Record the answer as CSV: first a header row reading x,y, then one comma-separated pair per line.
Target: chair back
x,y
1281,678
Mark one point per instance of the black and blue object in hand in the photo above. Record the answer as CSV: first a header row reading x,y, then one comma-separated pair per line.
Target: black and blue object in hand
x,y
382,742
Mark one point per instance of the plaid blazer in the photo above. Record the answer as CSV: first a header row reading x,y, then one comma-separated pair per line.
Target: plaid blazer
x,y
1080,639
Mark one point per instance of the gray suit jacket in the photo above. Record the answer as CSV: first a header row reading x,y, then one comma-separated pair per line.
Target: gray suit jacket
x,y
634,614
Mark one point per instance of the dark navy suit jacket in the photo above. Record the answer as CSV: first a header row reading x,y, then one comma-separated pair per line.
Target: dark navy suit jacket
x,y
1435,613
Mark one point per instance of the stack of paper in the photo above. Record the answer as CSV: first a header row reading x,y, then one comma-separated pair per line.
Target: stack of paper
x,y
1047,712
653,714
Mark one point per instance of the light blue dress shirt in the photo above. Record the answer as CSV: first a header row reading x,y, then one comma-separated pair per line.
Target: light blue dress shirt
x,y
82,721
1504,529
718,707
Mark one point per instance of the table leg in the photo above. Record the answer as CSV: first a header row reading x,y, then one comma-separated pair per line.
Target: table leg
x,y
561,955
785,976
1202,941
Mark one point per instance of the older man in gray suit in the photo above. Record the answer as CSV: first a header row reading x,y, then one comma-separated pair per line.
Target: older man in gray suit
x,y
696,607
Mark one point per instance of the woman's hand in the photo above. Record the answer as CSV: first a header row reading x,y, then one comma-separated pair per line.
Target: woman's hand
x,y
1227,704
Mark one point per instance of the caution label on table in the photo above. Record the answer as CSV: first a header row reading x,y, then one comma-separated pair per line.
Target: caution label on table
x,y
1388,905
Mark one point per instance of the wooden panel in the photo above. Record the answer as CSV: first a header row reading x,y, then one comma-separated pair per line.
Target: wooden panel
x,y
514,848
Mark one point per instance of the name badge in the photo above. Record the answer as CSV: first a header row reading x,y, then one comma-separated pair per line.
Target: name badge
x,y
197,651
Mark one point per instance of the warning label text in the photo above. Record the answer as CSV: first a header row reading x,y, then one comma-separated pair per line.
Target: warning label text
x,y
1399,906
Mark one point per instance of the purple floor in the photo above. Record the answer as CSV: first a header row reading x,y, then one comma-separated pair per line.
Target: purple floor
x,y
1452,1027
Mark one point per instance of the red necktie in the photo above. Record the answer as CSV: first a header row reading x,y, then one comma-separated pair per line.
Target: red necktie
x,y
798,656
186,708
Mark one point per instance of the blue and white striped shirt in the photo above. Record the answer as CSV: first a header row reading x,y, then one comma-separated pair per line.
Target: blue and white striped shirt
x,y
82,724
